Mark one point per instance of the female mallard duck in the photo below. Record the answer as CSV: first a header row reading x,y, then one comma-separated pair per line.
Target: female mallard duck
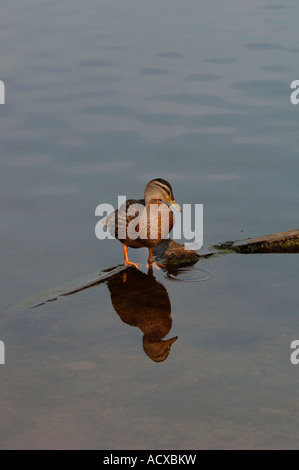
x,y
144,222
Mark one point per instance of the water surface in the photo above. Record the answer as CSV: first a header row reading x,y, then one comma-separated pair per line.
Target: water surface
x,y
101,97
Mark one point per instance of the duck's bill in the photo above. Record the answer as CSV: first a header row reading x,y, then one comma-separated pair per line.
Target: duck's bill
x,y
173,204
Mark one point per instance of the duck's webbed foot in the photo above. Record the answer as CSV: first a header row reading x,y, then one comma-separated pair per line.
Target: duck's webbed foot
x,y
127,262
150,262
130,263
157,266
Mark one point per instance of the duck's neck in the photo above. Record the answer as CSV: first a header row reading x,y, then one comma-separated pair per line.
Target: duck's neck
x,y
148,202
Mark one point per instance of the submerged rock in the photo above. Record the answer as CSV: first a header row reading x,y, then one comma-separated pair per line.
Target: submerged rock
x,y
171,252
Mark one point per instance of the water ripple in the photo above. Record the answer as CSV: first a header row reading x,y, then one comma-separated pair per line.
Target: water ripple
x,y
188,274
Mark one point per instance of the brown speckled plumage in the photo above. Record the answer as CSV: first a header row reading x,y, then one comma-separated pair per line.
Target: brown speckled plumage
x,y
144,222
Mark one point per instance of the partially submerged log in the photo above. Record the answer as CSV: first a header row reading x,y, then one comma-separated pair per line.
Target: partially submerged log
x,y
78,286
170,252
282,242
173,255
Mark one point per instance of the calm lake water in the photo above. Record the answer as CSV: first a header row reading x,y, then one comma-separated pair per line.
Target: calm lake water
x,y
101,97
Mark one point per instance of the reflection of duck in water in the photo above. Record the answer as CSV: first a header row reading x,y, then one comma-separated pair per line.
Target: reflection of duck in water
x,y
141,301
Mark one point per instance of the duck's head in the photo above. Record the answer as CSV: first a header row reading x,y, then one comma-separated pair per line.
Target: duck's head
x,y
159,350
160,190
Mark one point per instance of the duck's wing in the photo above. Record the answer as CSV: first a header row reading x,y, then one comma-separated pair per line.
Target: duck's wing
x,y
118,221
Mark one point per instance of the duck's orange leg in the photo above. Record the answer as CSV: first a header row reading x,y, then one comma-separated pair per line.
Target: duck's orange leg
x,y
150,263
127,262
150,257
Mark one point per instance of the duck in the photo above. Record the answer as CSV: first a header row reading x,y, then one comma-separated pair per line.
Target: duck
x,y
144,223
